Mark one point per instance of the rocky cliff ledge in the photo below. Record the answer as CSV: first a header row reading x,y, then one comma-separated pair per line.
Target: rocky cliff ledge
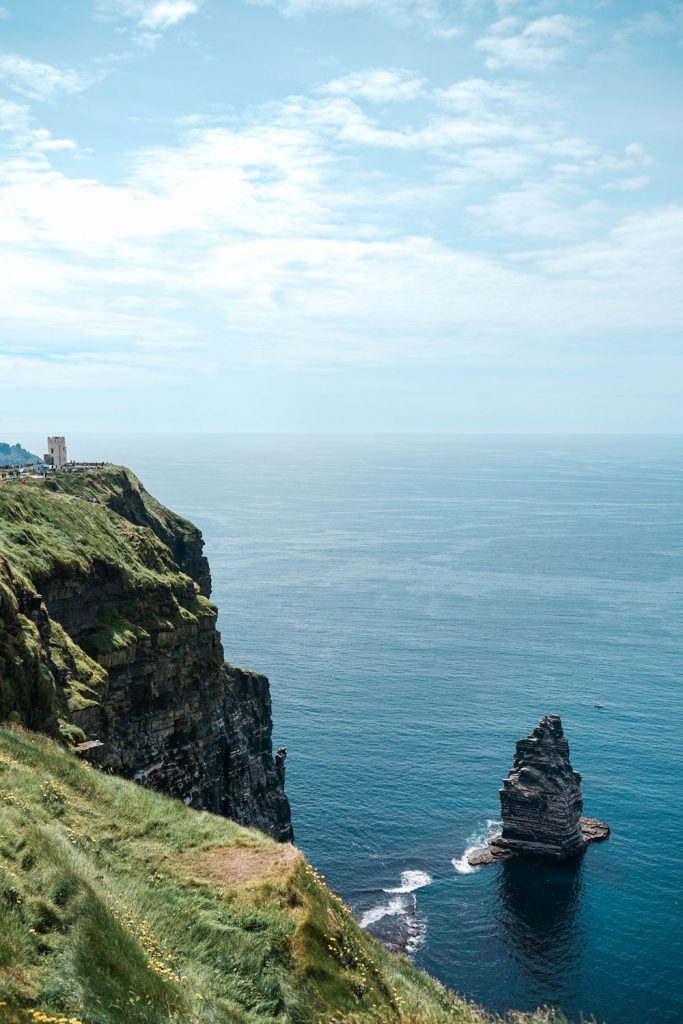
x,y
541,802
108,637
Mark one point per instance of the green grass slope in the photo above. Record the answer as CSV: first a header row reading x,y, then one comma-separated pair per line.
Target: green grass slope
x,y
119,905
100,530
119,489
48,531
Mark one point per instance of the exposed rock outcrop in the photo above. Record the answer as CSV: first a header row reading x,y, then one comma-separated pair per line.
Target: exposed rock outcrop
x,y
541,802
213,751
109,636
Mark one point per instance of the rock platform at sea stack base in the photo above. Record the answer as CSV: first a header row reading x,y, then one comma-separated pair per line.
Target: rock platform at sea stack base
x,y
541,803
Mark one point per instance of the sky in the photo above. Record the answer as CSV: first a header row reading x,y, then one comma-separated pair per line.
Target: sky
x,y
340,215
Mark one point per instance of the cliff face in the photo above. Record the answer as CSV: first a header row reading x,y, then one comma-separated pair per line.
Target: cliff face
x,y
110,636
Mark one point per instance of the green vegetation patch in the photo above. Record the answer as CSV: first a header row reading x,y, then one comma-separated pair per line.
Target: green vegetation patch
x,y
119,905
117,488
96,533
46,533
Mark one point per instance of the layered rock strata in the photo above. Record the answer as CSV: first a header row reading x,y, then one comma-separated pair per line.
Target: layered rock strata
x,y
109,637
541,802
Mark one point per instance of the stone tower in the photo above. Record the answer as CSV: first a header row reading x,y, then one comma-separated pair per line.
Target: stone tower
x,y
56,452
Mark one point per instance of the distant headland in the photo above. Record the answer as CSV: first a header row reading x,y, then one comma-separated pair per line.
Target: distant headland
x,y
15,455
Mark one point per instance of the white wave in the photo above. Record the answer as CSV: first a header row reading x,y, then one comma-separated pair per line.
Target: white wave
x,y
412,880
462,865
404,904
391,909
412,932
418,935
477,841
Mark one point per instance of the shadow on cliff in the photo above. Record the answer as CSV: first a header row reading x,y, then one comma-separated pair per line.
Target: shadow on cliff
x,y
541,922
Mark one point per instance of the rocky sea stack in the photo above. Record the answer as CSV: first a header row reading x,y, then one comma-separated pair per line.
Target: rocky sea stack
x,y
541,802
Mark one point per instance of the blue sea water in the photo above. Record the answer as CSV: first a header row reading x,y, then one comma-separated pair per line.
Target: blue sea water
x,y
419,603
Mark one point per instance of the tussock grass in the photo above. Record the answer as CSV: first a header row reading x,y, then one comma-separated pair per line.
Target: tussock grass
x,y
102,921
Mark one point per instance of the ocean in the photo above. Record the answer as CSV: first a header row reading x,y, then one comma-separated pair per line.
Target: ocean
x,y
419,603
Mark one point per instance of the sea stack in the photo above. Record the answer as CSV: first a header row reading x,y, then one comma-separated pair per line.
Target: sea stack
x,y
541,802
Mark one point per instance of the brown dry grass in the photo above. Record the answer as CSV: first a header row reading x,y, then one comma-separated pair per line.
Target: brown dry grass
x,y
237,867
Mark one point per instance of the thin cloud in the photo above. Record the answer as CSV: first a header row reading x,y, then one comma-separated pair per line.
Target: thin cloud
x,y
14,117
537,211
38,81
434,16
667,21
150,17
535,45
109,368
629,184
166,13
379,85
474,95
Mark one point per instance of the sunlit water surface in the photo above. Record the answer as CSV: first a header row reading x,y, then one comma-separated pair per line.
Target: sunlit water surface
x,y
418,604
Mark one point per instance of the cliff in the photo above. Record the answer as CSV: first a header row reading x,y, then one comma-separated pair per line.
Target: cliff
x,y
121,906
107,635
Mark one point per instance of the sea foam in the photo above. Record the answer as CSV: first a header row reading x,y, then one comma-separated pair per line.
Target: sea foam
x,y
477,841
412,880
403,904
390,909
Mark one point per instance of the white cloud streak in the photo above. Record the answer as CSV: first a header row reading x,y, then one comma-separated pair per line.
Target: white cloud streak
x,y
162,15
435,17
150,18
379,85
36,80
534,45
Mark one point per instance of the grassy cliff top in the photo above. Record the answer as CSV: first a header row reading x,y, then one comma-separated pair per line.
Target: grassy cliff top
x,y
68,521
97,533
120,490
120,905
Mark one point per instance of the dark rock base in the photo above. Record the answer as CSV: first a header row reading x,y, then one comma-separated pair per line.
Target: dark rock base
x,y
592,830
